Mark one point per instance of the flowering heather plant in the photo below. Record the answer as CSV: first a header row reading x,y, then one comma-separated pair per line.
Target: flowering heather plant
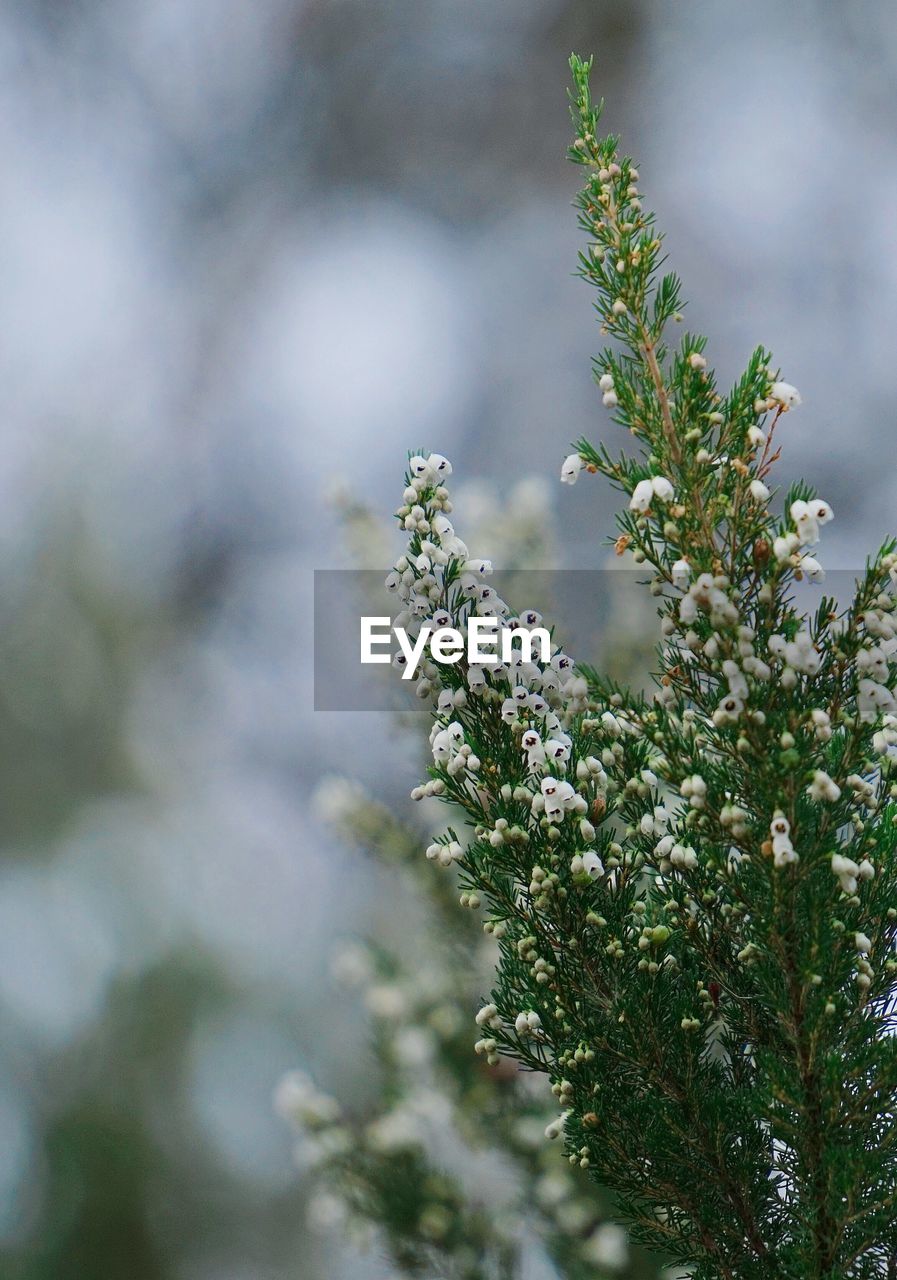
x,y
443,1165
694,895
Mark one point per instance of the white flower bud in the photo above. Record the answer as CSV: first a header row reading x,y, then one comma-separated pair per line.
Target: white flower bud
x,y
486,1016
571,468
785,394
556,1128
440,466
642,496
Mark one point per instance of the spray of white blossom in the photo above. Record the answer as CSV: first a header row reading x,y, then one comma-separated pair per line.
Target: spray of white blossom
x,y
695,894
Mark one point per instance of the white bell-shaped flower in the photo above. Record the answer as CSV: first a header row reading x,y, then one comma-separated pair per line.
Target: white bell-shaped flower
x,y
785,394
571,468
642,497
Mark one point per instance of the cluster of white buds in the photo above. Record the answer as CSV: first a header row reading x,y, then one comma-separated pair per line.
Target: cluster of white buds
x,y
556,798
873,661
884,741
822,724
865,974
671,854
798,656
684,857
432,787
438,592
528,1025
729,710
451,700
735,678
879,621
542,693
446,742
873,699
863,944
429,473
708,594
606,386
807,517
426,472
750,663
863,790
488,1048
445,854
823,788
535,699
875,696
488,1016
783,850
590,769
656,822
694,790
502,830
587,863
645,492
849,873
735,820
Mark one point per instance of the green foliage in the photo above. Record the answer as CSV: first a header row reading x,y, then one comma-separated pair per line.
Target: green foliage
x,y
384,1168
372,1159
697,895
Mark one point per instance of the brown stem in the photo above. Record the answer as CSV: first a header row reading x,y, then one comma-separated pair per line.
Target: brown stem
x,y
669,427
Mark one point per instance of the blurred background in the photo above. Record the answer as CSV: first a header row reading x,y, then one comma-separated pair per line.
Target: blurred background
x,y
251,254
